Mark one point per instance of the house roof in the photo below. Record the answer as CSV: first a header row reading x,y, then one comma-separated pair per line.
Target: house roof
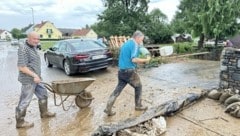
x,y
67,31
40,25
1,31
25,29
81,32
31,27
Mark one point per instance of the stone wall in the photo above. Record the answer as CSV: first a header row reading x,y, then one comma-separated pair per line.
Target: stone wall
x,y
230,68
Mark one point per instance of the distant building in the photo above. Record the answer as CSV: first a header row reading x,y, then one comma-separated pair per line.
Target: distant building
x,y
181,38
46,30
5,35
67,32
84,33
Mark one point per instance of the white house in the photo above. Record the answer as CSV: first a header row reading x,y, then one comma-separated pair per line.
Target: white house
x,y
84,33
4,35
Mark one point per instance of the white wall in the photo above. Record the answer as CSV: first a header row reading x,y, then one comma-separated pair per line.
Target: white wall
x,y
5,34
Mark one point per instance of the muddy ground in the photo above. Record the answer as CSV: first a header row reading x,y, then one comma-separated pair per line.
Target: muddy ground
x,y
168,81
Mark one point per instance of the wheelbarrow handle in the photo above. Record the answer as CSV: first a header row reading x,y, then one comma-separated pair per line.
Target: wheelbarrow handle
x,y
48,86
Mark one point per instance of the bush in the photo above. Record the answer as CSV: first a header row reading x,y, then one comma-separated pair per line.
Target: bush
x,y
185,47
47,44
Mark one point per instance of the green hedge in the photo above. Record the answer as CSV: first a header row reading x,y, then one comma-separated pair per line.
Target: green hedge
x,y
47,44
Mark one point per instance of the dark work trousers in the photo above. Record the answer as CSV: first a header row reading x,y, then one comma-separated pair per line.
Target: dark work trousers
x,y
129,76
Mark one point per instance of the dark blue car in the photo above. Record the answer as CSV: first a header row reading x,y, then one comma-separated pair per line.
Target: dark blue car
x,y
78,56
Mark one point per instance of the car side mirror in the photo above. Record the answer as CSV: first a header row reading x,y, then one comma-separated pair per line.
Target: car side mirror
x,y
39,47
53,48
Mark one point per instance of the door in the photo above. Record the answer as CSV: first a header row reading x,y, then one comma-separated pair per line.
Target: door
x,y
62,51
51,53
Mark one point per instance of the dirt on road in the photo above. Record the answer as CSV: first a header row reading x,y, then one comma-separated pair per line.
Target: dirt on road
x,y
166,82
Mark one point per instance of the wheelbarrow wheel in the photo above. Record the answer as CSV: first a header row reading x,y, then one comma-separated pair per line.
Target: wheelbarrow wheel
x,y
84,99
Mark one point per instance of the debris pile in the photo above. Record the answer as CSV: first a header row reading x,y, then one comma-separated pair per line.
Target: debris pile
x,y
153,127
149,120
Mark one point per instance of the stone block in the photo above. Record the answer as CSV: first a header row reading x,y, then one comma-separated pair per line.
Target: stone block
x,y
224,76
225,62
233,60
238,63
223,84
236,77
232,68
223,68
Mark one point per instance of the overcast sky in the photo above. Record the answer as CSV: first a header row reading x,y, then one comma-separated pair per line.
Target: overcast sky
x,y
63,13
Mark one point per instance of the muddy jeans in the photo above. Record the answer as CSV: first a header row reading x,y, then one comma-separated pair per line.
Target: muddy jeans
x,y
27,92
129,76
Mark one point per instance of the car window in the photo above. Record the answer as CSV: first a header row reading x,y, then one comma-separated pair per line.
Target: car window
x,y
86,45
101,43
62,47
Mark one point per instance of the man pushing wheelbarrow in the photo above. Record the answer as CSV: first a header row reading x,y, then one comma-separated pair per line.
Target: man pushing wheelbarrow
x,y
29,66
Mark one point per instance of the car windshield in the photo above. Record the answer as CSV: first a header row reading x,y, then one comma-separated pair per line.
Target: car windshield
x,y
86,45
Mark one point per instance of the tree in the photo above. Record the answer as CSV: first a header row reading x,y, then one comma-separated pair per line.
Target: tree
x,y
17,34
157,16
214,18
158,30
122,17
178,25
87,26
223,17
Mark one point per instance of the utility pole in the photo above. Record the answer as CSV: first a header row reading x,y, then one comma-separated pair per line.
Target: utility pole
x,y
32,16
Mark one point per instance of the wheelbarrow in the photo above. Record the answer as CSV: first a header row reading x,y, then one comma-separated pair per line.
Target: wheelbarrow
x,y
67,88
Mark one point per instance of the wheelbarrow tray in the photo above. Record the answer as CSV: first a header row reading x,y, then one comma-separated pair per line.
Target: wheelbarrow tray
x,y
71,86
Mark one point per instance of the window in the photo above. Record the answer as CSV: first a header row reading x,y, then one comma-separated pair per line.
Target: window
x,y
63,47
86,45
49,31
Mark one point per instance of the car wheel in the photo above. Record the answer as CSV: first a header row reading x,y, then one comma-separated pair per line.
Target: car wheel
x,y
66,66
47,62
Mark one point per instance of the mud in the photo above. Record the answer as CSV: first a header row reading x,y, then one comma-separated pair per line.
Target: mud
x,y
165,109
160,84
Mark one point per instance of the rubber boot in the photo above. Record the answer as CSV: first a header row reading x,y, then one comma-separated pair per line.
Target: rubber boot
x,y
110,103
139,106
44,110
20,122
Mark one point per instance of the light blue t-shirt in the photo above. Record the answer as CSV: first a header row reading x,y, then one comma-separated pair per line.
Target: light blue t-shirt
x,y
128,51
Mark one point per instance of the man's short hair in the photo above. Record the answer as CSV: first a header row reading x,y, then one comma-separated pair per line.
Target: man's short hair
x,y
137,34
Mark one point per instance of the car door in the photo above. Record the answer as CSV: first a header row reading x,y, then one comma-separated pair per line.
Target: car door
x,y
61,54
51,53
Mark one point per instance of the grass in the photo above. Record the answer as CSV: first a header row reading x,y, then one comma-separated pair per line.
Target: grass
x,y
47,44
